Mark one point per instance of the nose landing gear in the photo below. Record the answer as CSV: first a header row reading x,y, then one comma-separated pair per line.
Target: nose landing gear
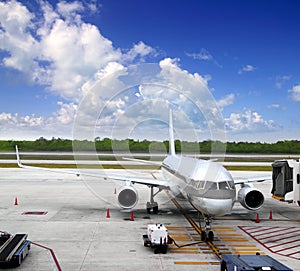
x,y
207,234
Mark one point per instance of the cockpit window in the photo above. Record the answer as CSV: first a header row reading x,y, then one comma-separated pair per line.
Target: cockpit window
x,y
211,185
226,185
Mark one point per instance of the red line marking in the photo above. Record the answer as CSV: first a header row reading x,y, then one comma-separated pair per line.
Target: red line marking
x,y
258,230
282,235
281,238
293,254
277,245
52,254
268,248
277,230
250,227
287,248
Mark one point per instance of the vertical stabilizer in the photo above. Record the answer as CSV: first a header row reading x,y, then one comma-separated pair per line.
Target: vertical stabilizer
x,y
171,134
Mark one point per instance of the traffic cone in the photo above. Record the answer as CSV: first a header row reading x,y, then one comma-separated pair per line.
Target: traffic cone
x,y
271,215
16,201
108,213
257,218
131,217
115,191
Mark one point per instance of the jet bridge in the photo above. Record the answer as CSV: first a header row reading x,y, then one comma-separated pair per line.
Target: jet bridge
x,y
286,181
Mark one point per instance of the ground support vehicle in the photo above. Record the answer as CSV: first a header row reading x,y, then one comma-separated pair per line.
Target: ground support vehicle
x,y
157,238
251,263
13,249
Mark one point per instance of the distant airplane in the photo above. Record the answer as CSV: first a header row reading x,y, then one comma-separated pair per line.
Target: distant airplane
x,y
205,184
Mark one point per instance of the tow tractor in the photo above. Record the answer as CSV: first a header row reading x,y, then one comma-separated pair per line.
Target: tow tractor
x,y
13,249
157,238
286,181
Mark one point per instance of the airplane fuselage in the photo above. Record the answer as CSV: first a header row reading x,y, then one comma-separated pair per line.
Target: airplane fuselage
x,y
208,186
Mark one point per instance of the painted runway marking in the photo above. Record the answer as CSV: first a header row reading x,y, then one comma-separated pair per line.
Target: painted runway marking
x,y
284,241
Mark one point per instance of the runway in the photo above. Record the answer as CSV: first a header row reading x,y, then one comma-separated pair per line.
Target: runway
x,y
67,215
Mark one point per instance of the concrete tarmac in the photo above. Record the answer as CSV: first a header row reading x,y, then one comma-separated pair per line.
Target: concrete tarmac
x,y
75,227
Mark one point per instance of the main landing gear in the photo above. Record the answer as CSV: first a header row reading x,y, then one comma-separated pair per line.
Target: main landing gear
x,y
152,205
207,234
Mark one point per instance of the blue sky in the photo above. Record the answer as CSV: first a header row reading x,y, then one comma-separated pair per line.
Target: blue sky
x,y
245,53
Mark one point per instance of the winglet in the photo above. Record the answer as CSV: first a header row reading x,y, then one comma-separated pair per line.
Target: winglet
x,y
18,157
171,134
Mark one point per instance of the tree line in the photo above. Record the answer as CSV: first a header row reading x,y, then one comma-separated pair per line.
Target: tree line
x,y
146,146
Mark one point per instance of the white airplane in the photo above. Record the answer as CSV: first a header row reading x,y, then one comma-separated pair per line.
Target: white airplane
x,y
205,184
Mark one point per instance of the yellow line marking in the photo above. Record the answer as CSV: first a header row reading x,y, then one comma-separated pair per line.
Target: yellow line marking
x,y
185,252
245,248
175,228
234,240
229,234
249,252
183,248
242,245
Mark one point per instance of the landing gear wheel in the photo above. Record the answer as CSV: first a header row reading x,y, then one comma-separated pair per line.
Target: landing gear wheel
x,y
203,236
155,209
211,236
152,206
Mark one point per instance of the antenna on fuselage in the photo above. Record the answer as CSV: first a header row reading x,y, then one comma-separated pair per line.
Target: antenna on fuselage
x,y
171,134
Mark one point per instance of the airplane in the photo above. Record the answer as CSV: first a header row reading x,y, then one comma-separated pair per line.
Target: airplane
x,y
205,184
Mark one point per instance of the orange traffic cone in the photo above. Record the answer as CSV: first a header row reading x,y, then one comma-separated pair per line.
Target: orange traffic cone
x,y
115,191
16,201
108,213
271,215
257,218
131,217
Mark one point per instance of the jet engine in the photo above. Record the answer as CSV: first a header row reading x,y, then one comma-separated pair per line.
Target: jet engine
x,y
127,197
251,198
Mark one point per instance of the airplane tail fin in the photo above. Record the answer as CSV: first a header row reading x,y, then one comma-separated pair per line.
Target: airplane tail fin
x,y
18,157
171,134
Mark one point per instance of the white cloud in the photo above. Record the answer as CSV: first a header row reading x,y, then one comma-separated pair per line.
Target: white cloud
x,y
139,50
248,121
295,93
281,80
247,68
58,49
226,101
202,55
276,106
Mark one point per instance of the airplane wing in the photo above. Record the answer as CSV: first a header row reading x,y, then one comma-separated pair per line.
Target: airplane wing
x,y
147,162
140,180
252,179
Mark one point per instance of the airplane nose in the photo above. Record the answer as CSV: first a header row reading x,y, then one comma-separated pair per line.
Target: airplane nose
x,y
218,207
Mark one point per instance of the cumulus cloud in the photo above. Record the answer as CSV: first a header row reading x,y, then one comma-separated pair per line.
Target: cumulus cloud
x,y
58,49
102,91
295,93
226,101
248,121
247,68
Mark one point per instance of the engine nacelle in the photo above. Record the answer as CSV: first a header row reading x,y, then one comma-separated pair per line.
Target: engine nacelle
x,y
251,198
127,197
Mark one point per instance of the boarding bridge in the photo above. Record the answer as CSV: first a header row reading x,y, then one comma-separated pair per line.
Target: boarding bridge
x,y
286,181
